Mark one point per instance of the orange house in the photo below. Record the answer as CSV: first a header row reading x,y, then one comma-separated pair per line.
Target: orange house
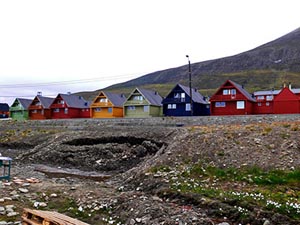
x,y
107,105
39,109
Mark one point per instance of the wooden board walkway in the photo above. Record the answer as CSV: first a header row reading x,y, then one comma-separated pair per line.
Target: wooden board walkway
x,y
40,217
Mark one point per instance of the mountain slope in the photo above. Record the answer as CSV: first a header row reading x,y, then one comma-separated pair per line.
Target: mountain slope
x,y
265,67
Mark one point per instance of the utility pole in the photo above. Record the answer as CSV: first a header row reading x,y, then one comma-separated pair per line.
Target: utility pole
x,y
190,84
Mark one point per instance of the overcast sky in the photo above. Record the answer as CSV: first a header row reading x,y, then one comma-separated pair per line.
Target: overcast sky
x,y
62,46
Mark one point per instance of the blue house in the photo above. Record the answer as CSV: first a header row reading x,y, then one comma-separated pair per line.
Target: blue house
x,y
178,102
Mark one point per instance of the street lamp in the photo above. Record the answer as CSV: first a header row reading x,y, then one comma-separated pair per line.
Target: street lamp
x,y
190,84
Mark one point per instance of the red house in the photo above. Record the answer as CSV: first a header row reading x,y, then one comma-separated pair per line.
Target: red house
x,y
231,99
66,106
286,102
264,101
39,109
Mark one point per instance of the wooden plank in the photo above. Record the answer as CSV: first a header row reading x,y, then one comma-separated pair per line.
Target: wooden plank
x,y
40,217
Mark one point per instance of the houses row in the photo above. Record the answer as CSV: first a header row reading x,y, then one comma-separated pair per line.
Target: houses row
x,y
230,99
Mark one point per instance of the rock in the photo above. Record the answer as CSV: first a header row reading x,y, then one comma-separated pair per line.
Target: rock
x,y
23,190
267,222
11,214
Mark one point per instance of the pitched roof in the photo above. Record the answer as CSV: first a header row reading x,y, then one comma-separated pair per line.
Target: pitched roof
x,y
75,101
45,101
196,96
115,99
4,107
152,96
25,103
243,91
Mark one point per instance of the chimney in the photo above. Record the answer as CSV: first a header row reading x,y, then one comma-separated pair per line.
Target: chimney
x,y
68,93
290,85
284,85
39,93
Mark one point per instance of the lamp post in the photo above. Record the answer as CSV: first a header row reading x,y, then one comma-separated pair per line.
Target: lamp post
x,y
190,85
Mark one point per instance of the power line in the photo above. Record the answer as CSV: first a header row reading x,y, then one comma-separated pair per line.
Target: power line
x,y
23,85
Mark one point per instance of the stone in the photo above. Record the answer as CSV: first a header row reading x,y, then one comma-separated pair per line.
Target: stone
x,y
23,190
11,214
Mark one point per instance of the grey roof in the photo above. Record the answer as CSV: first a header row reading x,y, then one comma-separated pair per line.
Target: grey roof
x,y
75,101
4,107
196,96
25,103
45,101
275,92
115,99
151,96
243,91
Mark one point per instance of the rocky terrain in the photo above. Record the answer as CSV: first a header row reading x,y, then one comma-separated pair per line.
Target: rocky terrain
x,y
208,170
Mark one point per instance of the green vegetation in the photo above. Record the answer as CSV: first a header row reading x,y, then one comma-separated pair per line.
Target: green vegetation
x,y
245,188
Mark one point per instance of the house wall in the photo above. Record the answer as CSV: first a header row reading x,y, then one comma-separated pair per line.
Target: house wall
x,y
287,107
71,113
19,115
230,108
137,113
116,111
263,107
85,113
155,111
286,102
104,113
41,114
179,111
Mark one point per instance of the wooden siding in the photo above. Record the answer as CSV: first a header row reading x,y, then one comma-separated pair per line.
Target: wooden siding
x,y
39,113
286,102
104,109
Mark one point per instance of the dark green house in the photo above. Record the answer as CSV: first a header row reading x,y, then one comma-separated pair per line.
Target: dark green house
x,y
19,109
143,103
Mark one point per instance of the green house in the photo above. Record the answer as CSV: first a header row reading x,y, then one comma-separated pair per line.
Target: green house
x,y
19,109
143,103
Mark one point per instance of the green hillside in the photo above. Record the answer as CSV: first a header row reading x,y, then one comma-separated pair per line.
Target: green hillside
x,y
265,67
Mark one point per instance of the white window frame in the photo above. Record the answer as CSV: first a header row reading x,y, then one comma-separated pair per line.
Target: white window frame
x,y
240,105
220,104
188,107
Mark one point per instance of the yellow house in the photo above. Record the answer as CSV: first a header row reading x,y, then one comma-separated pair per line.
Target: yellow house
x,y
107,105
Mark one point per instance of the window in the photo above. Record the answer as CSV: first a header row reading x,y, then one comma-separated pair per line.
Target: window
x,y
146,108
98,109
66,110
240,104
109,110
56,110
267,103
61,102
269,97
131,107
171,106
260,97
182,95
42,112
259,104
176,95
220,104
138,98
229,92
225,92
103,100
34,111
188,107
